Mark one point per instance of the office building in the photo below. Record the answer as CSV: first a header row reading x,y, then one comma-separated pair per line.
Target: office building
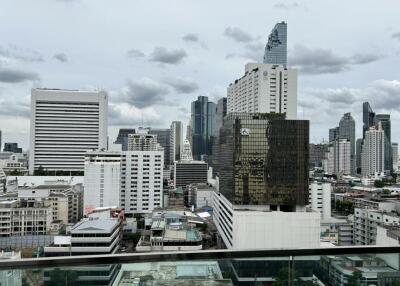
x,y
337,160
359,143
142,173
12,147
122,138
102,180
347,130
202,128
176,141
333,134
190,172
317,154
257,152
186,151
163,138
276,48
320,199
368,118
384,120
373,152
64,125
395,153
264,88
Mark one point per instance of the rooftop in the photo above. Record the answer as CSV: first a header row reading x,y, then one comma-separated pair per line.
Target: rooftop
x,y
95,226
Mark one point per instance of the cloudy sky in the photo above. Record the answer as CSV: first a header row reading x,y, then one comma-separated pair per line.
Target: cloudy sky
x,y
155,57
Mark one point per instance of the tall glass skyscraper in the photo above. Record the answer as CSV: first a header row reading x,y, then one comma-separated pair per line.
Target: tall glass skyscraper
x,y
368,117
384,119
347,130
202,127
276,48
263,160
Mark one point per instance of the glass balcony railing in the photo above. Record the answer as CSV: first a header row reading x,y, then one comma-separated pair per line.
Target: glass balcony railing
x,y
350,266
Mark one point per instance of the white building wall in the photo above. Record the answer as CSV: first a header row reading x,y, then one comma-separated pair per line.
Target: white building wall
x,y
320,199
102,180
142,181
373,152
264,88
247,229
64,125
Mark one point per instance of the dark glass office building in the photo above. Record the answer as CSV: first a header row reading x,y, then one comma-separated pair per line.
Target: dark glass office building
x,y
122,137
202,127
163,138
384,119
263,160
368,117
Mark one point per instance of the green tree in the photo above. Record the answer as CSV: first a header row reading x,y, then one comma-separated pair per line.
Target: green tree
x,y
134,237
378,184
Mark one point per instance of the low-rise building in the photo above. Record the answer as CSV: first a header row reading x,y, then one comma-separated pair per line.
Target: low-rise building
x,y
200,195
320,199
174,198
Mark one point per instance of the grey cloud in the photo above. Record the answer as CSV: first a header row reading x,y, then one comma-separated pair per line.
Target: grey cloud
x,y
396,36
126,115
133,53
182,85
183,110
24,55
9,75
323,61
238,35
191,38
165,56
61,57
286,6
143,93
253,51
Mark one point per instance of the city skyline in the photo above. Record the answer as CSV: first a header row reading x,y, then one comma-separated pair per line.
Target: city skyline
x,y
146,71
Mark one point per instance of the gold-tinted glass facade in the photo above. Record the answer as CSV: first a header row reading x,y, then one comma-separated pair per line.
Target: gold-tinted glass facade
x,y
263,160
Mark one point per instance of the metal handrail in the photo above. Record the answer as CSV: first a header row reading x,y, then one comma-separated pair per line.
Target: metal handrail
x,y
189,255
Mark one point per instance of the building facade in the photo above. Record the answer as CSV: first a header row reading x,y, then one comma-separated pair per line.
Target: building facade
x,y
102,180
164,139
176,141
276,48
122,138
189,172
264,88
320,199
373,152
347,130
64,125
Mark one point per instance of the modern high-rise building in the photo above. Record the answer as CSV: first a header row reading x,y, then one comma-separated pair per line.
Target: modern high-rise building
x,y
359,143
142,173
320,199
220,114
163,138
263,183
64,125
264,88
176,141
333,134
122,137
373,151
264,160
384,119
190,172
368,117
395,152
337,159
102,180
347,130
202,127
276,48
317,154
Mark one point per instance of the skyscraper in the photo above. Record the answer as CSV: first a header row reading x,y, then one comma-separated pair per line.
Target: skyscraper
x,y
384,119
347,130
333,134
373,151
64,125
122,137
359,143
163,138
142,173
276,48
264,160
176,141
202,127
264,88
395,152
368,117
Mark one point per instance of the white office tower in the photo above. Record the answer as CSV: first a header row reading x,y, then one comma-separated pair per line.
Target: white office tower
x,y
342,159
64,125
328,163
373,152
186,151
142,173
395,153
320,199
176,141
264,88
102,180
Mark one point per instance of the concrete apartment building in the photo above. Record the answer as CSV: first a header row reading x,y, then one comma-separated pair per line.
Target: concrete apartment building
x,y
64,125
264,88
320,199
142,174
373,152
102,180
200,195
